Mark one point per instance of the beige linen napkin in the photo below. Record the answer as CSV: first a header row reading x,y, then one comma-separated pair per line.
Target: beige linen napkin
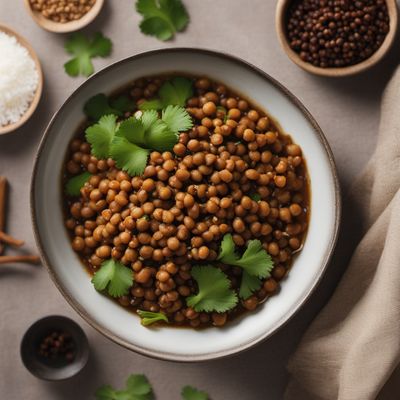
x,y
353,345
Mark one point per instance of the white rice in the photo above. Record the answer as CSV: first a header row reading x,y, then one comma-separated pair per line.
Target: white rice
x,y
18,80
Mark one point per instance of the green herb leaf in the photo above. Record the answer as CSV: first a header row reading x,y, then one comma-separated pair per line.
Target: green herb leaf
x,y
176,91
177,118
173,92
132,129
227,252
162,18
74,185
248,285
122,103
114,277
137,388
191,393
255,196
148,317
101,135
83,51
159,137
98,106
214,290
255,262
128,156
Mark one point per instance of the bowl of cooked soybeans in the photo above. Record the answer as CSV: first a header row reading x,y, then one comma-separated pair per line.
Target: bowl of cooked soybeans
x,y
185,203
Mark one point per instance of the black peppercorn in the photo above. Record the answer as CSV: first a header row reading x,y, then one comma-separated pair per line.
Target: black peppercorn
x,y
336,33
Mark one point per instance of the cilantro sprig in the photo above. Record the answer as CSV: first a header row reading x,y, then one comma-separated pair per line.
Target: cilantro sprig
x,y
173,92
74,184
137,388
113,277
255,262
214,292
162,18
129,142
191,393
148,317
83,50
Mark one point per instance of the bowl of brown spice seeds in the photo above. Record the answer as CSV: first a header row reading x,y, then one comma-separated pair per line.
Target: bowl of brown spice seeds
x,y
336,37
62,16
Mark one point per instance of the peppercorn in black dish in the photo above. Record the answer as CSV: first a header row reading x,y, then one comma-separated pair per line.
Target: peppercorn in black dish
x,y
336,33
184,200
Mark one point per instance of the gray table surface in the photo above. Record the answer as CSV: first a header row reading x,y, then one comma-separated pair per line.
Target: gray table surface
x,y
348,112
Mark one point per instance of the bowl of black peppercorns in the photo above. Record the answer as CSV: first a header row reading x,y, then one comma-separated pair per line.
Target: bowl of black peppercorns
x,y
54,348
336,37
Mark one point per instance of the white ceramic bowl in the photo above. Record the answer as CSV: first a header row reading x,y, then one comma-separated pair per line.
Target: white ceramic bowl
x,y
113,320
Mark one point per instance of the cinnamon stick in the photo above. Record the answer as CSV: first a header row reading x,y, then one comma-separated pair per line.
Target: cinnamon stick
x,y
3,198
4,237
31,259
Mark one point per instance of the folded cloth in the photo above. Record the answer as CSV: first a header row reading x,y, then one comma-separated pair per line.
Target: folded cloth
x,y
353,345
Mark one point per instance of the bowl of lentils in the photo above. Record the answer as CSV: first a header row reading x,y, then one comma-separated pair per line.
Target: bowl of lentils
x,y
173,203
336,37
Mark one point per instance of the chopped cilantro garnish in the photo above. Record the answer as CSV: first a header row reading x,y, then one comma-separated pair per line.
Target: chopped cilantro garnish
x,y
137,388
162,18
83,51
173,92
74,185
214,290
101,135
114,277
148,317
191,393
255,196
255,262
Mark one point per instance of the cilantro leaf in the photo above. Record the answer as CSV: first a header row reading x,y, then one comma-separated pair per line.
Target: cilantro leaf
x,y
148,317
214,290
122,103
83,51
255,196
162,18
101,135
137,388
74,185
114,277
98,105
248,285
159,137
177,118
173,92
191,393
255,260
132,129
227,250
128,156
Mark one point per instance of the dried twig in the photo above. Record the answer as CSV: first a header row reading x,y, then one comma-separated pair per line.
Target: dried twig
x,y
10,240
32,259
3,198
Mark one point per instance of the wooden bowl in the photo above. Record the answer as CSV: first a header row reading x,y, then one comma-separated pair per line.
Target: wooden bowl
x,y
23,42
71,26
280,22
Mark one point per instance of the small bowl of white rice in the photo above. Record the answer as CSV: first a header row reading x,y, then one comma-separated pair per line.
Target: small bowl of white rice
x,y
21,80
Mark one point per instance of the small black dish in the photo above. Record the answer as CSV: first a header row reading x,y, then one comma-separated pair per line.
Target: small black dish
x,y
54,367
